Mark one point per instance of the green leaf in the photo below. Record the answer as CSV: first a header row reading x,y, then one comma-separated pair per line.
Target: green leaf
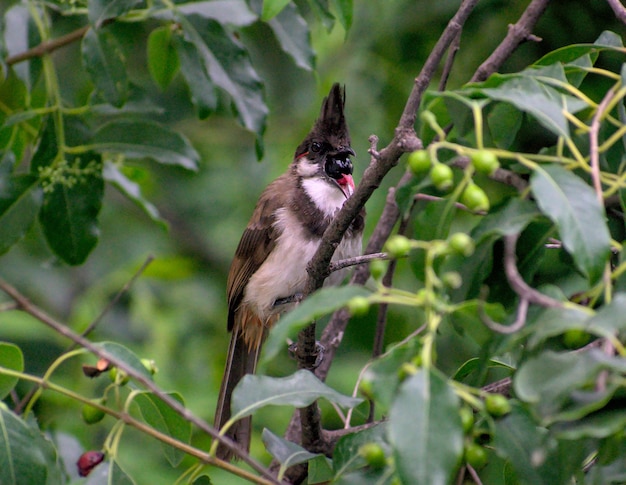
x,y
109,473
127,356
383,373
200,84
346,457
20,33
103,59
113,175
555,321
322,10
606,41
608,322
536,457
572,205
320,470
561,386
285,452
425,430
271,8
146,139
504,121
294,37
543,102
300,389
320,303
226,62
26,456
231,12
10,358
601,424
164,419
101,10
71,204
202,480
20,201
163,62
344,13
511,218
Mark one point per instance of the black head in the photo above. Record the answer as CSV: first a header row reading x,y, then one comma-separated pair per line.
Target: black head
x,y
328,142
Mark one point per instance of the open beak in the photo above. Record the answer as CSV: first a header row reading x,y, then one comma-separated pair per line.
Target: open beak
x,y
346,184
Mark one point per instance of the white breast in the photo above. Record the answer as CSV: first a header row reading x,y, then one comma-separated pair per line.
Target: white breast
x,y
283,273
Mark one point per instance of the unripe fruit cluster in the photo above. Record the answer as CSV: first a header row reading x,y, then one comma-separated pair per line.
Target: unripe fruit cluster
x,y
442,177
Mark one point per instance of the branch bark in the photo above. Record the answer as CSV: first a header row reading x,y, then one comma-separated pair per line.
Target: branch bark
x,y
405,139
519,32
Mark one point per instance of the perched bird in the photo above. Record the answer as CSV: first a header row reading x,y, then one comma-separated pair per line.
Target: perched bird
x,y
268,273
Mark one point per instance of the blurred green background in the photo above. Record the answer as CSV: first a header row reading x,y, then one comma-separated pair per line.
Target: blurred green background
x,y
176,312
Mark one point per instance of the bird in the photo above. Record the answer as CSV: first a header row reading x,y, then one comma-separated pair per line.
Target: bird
x,y
268,272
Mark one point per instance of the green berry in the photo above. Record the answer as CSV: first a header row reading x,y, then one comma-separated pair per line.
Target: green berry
x,y
91,414
150,366
419,162
467,419
358,306
398,246
374,455
484,161
441,176
497,405
366,388
378,268
462,244
574,338
407,369
452,280
119,377
475,456
475,199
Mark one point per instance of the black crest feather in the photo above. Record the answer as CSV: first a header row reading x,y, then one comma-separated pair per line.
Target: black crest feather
x,y
330,127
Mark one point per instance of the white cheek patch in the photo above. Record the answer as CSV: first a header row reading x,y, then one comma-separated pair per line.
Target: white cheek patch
x,y
327,197
307,169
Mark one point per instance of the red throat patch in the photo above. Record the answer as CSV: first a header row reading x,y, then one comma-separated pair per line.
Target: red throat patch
x,y
347,184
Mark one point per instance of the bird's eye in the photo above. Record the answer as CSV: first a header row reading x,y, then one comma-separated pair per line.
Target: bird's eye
x,y
316,147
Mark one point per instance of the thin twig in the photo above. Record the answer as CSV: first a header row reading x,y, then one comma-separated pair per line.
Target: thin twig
x,y
48,46
618,9
474,474
447,68
516,281
27,397
518,324
594,154
25,305
518,33
115,299
594,161
357,260
8,306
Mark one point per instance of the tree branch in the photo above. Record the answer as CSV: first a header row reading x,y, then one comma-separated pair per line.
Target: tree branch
x,y
25,305
48,46
518,33
516,281
618,9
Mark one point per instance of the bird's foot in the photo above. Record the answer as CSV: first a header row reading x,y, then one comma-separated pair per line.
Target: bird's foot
x,y
318,353
295,298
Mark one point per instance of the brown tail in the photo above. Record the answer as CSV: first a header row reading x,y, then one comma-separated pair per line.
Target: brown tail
x,y
240,361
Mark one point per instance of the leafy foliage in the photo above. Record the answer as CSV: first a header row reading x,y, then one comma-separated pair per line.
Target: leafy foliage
x,y
504,306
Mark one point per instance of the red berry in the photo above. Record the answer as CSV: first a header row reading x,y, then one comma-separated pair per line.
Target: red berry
x,y
88,461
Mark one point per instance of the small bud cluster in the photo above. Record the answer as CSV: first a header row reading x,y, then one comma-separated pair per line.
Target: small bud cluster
x,y
67,174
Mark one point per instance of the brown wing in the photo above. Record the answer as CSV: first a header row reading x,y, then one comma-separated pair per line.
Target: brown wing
x,y
256,243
